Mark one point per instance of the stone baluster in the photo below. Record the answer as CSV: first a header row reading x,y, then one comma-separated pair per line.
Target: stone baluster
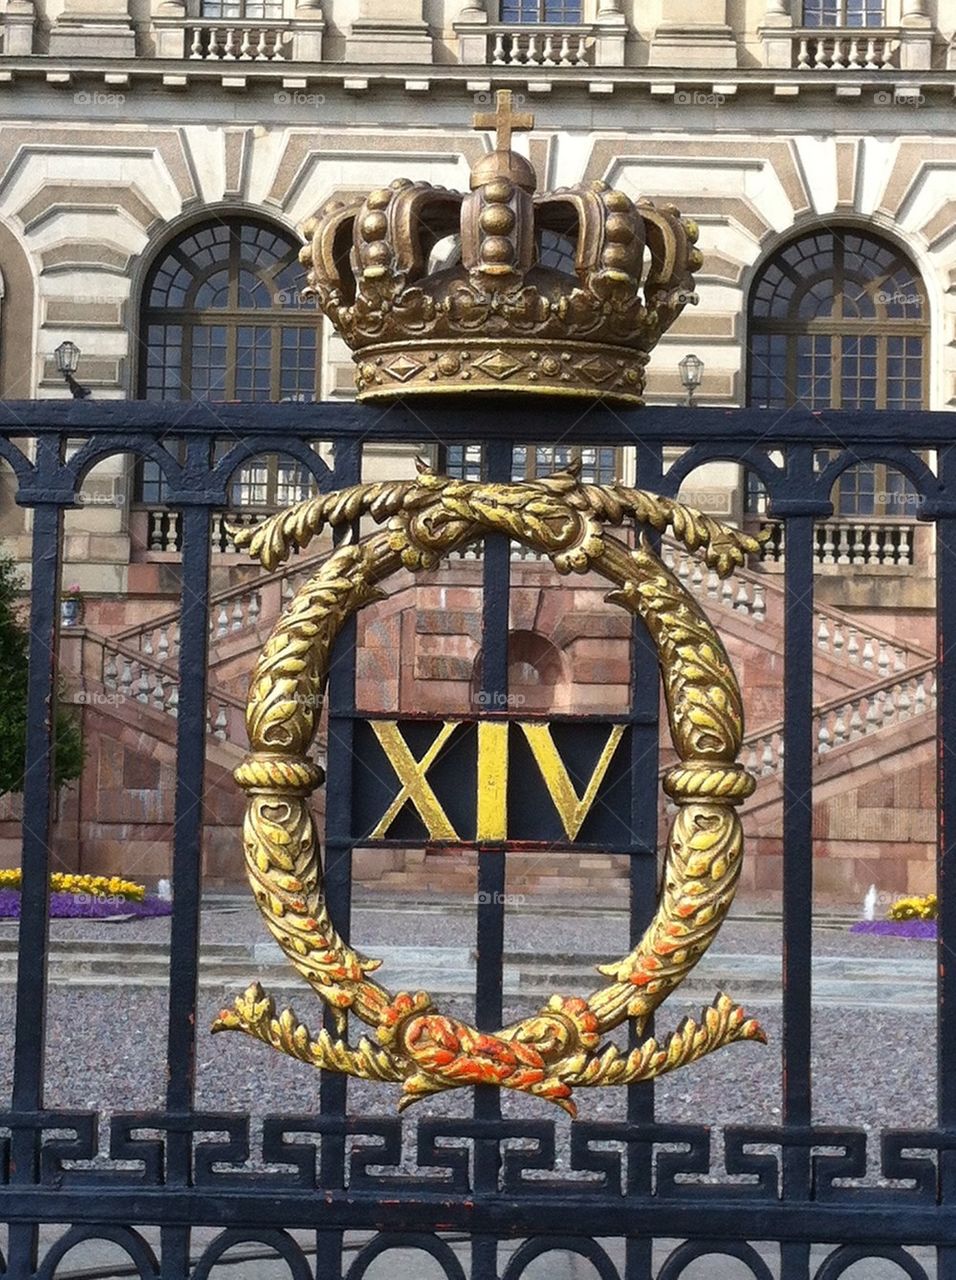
x,y
237,615
904,550
498,52
889,707
823,736
222,621
159,691
109,669
760,602
869,654
172,705
859,545
899,659
742,599
828,545
856,722
142,686
126,678
873,548
767,765
853,646
146,643
823,635
843,545
713,584
162,645
838,640
873,716
904,703
883,661
219,728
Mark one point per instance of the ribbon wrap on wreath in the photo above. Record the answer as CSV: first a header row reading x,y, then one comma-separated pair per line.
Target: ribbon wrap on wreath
x,y
559,1047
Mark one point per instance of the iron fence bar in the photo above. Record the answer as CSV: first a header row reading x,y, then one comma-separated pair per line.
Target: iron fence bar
x,y
488,420
188,830
946,840
492,874
333,1088
38,794
642,867
799,511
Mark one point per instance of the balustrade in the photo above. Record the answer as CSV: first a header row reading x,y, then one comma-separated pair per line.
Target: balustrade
x,y
539,46
845,51
255,42
874,543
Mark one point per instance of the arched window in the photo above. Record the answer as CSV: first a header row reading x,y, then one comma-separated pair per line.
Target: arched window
x,y
223,319
839,320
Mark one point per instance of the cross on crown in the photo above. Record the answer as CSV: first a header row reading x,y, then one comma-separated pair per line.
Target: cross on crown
x,y
503,120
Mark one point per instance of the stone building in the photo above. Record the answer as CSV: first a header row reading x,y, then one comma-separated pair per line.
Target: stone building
x,y
156,160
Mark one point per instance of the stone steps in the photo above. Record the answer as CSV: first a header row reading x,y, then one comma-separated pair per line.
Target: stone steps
x,y
899,983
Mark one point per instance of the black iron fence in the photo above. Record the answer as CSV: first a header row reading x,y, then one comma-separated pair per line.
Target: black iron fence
x,y
488,1180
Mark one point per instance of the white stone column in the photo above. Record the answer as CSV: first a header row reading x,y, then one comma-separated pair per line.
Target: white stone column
x,y
18,23
94,28
774,31
916,50
609,41
308,26
472,39
389,31
695,34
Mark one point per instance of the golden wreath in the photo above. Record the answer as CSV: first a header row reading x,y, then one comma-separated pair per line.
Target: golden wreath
x,y
559,1047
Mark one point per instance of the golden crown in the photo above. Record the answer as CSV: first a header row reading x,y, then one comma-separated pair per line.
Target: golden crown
x,y
563,292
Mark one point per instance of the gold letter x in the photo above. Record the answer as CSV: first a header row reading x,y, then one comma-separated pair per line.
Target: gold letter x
x,y
411,774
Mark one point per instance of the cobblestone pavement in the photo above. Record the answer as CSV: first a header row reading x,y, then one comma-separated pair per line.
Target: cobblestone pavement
x,y
106,1049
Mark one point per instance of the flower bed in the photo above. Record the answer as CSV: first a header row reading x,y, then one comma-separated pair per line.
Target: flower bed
x,y
90,897
897,928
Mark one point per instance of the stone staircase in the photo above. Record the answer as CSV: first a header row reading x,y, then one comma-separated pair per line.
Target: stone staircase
x,y
876,691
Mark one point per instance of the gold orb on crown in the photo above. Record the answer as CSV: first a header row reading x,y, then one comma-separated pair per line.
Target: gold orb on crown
x,y
500,290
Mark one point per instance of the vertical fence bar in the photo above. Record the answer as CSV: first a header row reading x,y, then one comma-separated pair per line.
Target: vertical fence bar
x,y
337,872
38,789
798,509
187,844
946,841
491,880
642,871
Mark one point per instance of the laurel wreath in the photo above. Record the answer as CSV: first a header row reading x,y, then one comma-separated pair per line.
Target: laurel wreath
x,y
560,1047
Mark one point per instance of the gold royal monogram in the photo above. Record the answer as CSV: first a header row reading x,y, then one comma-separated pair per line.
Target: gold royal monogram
x,y
492,781
562,1046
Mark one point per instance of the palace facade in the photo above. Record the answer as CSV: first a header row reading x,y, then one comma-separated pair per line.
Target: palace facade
x,y
157,158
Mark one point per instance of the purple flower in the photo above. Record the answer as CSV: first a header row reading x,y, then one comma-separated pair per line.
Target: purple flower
x,y
69,906
897,928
